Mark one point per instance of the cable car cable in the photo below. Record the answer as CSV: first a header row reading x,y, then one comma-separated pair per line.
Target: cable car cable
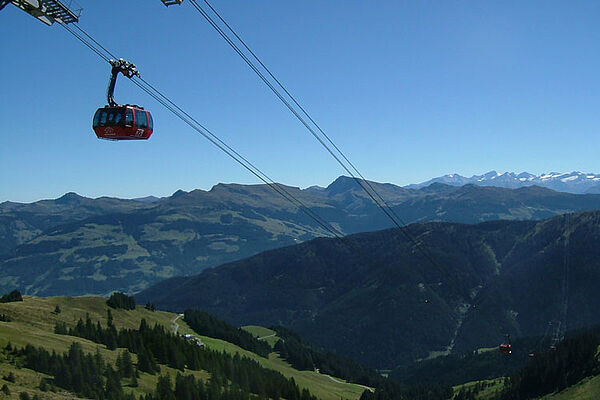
x,y
230,152
301,108
400,225
566,269
95,50
95,41
205,131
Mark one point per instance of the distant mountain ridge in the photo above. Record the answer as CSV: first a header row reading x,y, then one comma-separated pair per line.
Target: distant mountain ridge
x,y
570,182
75,245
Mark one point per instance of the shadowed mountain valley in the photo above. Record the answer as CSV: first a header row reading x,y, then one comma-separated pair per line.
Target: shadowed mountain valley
x,y
376,298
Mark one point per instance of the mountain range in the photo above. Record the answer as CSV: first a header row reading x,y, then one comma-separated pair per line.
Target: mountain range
x,y
571,182
75,245
382,300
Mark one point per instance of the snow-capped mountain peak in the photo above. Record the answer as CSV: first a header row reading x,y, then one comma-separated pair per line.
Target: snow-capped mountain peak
x,y
571,182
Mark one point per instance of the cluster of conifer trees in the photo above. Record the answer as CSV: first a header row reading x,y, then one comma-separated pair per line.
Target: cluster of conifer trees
x,y
155,345
207,325
90,376
15,295
121,300
189,388
85,374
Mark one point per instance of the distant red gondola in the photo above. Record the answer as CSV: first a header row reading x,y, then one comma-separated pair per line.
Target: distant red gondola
x,y
122,122
506,348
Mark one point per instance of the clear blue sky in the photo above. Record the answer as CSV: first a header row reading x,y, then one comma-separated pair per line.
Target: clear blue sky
x,y
408,89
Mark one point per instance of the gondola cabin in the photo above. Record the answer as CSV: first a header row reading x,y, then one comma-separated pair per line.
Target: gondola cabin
x,y
126,122
505,348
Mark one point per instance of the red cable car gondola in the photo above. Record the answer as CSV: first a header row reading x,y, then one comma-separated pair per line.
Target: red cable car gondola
x,y
126,122
506,348
122,122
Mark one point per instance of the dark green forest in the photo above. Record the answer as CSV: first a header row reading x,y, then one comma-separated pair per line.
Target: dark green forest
x,y
155,345
121,300
395,306
208,325
15,295
85,374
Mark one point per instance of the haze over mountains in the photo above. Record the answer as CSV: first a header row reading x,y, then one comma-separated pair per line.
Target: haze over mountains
x,y
571,182
74,245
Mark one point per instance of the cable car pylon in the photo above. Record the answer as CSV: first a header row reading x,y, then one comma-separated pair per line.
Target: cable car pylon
x,y
171,2
47,11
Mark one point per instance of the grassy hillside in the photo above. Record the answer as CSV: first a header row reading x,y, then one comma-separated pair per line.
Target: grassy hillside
x,y
33,321
491,387
588,389
262,333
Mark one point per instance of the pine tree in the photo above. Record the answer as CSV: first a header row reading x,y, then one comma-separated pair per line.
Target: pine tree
x,y
60,328
10,377
24,396
163,388
5,390
113,389
109,317
146,361
134,380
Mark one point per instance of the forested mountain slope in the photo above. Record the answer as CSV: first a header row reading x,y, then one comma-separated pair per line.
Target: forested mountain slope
x,y
380,301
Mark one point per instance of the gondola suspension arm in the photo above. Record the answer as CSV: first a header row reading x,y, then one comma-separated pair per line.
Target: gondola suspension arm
x,y
126,68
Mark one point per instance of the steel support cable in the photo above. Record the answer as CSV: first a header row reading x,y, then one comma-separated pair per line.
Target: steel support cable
x,y
303,111
85,42
559,332
566,268
192,122
389,213
280,189
185,117
227,150
95,41
238,155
